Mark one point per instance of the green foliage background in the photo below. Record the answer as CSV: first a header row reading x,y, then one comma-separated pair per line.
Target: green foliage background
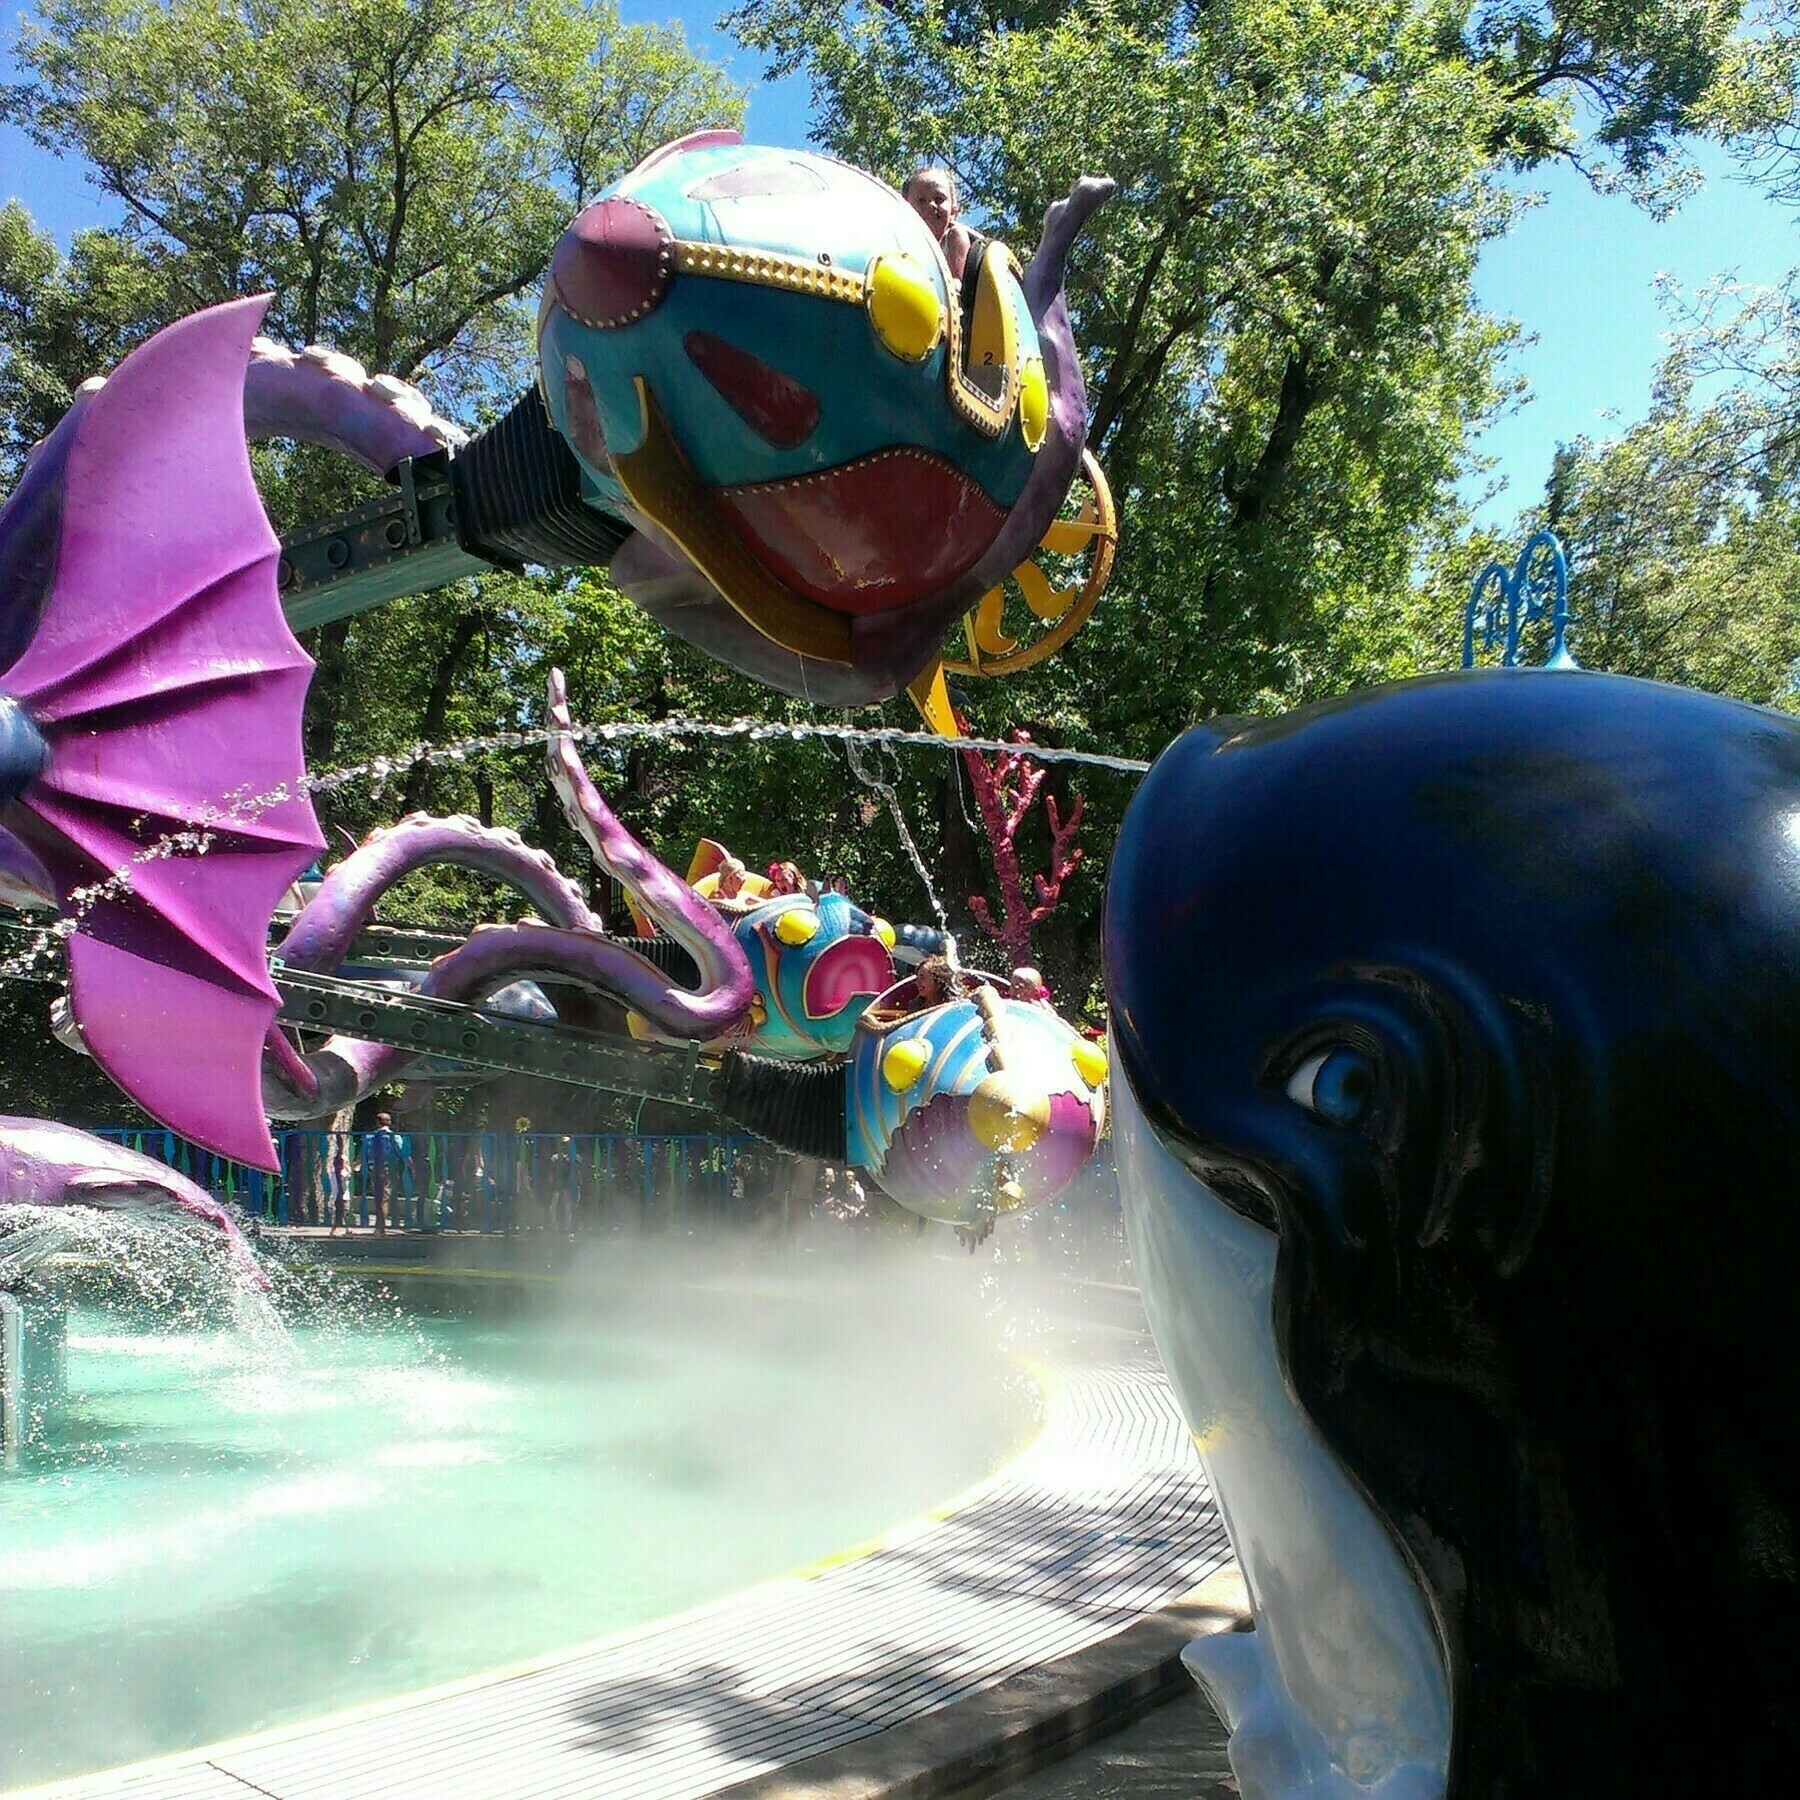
x,y
1287,366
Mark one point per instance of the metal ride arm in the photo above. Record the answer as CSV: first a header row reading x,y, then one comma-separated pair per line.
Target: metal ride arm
x,y
522,1046
448,1028
403,949
403,543
797,1106
511,497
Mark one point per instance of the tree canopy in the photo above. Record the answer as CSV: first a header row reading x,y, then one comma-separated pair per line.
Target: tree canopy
x,y
393,172
1286,358
1287,364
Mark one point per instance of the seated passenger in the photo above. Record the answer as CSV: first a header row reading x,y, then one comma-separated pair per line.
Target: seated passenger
x,y
931,193
731,879
937,983
1028,985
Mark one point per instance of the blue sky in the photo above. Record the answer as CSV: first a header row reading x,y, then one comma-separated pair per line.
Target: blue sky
x,y
1578,272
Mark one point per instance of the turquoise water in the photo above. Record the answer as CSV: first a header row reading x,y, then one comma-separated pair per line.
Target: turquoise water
x,y
240,1528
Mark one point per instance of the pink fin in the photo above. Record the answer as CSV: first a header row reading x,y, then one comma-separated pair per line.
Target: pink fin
x,y
169,688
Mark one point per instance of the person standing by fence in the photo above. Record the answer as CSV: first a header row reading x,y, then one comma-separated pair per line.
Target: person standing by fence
x,y
562,1194
337,1171
381,1158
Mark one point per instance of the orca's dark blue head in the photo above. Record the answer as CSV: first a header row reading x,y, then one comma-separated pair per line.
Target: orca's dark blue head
x,y
1458,1034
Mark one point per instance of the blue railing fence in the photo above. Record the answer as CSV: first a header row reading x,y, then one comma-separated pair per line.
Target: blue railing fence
x,y
464,1180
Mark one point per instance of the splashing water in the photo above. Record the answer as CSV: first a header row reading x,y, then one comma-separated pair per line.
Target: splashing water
x,y
219,1538
872,778
37,958
25,1247
158,1263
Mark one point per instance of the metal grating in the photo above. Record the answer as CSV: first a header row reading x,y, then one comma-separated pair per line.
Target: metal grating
x,y
1105,1517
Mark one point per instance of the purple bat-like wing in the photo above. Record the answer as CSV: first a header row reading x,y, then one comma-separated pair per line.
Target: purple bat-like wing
x,y
169,689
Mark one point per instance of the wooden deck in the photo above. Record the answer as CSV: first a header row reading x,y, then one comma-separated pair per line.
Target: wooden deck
x,y
1106,1516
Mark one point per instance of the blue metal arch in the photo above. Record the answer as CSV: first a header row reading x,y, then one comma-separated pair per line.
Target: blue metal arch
x,y
1504,601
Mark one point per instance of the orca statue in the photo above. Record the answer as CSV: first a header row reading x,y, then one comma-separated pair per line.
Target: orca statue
x,y
1457,1034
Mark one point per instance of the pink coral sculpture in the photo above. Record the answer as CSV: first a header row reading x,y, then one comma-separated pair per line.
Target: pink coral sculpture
x,y
1006,789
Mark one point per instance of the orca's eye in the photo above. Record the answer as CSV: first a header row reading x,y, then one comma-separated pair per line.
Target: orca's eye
x,y
1338,1085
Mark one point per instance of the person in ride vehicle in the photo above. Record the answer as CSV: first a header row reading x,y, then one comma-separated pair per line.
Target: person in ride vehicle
x,y
931,193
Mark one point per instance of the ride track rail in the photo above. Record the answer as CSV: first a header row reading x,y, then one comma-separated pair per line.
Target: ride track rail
x,y
468,1034
674,1074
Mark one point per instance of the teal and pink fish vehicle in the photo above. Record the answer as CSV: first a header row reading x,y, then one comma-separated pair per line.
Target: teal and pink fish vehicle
x,y
827,447
975,1106
816,957
817,961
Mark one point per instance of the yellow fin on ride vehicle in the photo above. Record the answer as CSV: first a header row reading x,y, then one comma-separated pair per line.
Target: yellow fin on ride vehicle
x,y
932,698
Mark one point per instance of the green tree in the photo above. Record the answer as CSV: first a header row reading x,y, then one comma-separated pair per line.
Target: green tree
x,y
61,320
394,172
1285,358
1683,533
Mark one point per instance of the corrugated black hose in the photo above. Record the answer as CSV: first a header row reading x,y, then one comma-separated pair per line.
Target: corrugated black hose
x,y
799,1106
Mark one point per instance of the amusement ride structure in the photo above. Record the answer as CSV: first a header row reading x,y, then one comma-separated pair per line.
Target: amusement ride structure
x,y
822,536
1463,1224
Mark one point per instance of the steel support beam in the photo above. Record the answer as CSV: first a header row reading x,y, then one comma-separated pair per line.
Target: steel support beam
x,y
521,1046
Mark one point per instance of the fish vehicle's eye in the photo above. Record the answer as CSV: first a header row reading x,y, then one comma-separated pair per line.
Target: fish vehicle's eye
x,y
903,307
1338,1085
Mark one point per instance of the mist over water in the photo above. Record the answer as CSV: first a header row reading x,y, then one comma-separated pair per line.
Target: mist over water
x,y
256,1516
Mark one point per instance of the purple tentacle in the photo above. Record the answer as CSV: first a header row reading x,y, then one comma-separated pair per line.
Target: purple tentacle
x,y
344,1069
320,938
324,397
570,948
495,957
286,1069
1063,220
726,985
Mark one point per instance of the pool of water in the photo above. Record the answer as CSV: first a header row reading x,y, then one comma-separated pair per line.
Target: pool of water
x,y
236,1529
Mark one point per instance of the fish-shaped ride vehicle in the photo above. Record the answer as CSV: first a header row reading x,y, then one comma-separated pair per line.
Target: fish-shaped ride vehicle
x,y
763,364
961,1095
817,957
966,1103
768,410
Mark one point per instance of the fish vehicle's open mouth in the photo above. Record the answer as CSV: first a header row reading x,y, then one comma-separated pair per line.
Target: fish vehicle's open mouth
x,y
869,535
852,968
